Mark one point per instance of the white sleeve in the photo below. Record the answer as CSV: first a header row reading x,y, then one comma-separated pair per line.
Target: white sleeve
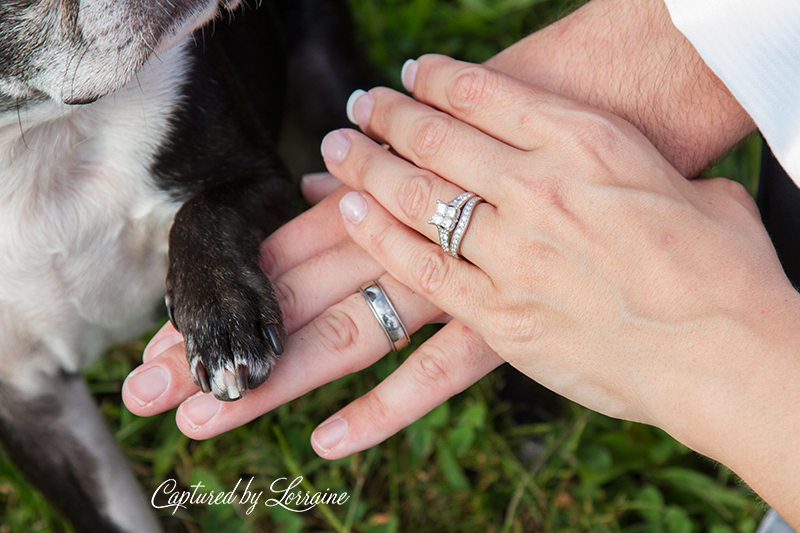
x,y
753,46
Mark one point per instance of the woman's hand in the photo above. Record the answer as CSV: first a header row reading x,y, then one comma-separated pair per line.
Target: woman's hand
x,y
593,267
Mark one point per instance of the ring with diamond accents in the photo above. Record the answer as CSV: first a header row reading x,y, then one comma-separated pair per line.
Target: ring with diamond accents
x,y
386,314
447,216
463,222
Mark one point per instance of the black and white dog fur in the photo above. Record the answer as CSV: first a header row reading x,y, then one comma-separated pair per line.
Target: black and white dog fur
x,y
133,150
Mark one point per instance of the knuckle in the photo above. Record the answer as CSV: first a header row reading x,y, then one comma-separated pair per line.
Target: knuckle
x,y
431,367
380,238
268,260
364,165
471,88
287,298
592,135
737,192
336,330
429,135
516,327
414,196
378,409
529,120
734,189
430,272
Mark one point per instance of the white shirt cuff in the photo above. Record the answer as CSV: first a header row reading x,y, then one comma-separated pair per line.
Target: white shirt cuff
x,y
754,48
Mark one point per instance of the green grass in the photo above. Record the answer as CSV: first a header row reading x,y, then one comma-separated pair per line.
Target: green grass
x,y
467,466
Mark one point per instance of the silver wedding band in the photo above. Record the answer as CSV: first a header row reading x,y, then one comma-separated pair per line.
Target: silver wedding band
x,y
463,223
386,314
452,220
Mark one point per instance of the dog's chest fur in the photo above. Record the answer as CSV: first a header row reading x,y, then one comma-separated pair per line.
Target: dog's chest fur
x,y
83,227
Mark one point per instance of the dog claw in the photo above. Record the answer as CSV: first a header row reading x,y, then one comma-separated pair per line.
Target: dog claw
x,y
241,377
202,378
168,303
275,340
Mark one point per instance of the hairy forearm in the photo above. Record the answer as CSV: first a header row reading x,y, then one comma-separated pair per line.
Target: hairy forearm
x,y
629,59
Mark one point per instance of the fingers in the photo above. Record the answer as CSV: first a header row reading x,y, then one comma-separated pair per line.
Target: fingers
x,y
313,263
305,236
503,107
327,278
445,365
344,339
163,382
303,293
434,140
166,337
408,192
455,286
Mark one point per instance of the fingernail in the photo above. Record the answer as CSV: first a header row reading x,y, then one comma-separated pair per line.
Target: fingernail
x,y
351,102
328,435
154,349
148,385
334,146
359,107
313,179
408,74
353,207
318,185
199,409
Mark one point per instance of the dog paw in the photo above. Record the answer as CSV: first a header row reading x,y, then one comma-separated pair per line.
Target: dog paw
x,y
231,323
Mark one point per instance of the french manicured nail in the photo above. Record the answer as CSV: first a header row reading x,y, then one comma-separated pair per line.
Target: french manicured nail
x,y
154,349
334,146
353,207
359,107
328,435
408,74
148,385
200,409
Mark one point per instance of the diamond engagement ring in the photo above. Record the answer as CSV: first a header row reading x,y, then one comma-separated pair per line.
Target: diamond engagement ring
x,y
387,317
446,218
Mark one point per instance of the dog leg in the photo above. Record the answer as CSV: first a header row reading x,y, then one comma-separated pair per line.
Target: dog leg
x,y
222,161
55,435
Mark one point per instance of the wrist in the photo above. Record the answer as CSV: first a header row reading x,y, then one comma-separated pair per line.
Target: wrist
x,y
739,406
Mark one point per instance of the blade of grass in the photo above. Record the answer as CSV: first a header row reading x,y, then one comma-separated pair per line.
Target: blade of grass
x,y
574,432
294,470
360,480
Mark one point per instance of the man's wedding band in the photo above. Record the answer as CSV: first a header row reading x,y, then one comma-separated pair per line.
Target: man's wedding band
x,y
386,314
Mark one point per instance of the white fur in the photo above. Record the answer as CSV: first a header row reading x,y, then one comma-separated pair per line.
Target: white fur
x,y
83,229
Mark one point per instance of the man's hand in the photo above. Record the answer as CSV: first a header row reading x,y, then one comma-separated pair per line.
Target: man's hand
x,y
628,58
